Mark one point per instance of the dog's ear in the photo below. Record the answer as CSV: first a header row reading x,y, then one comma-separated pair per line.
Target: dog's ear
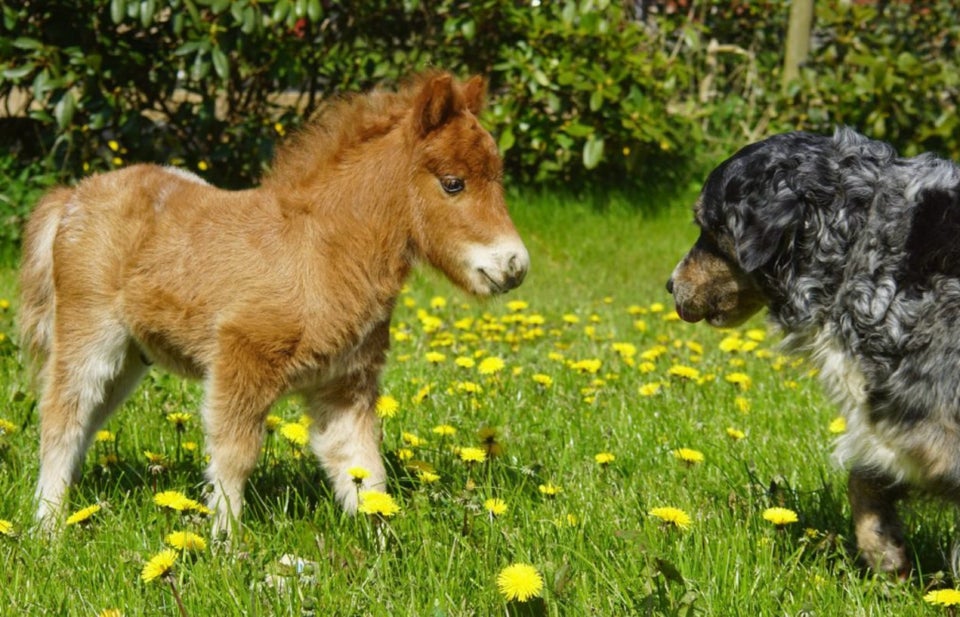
x,y
763,225
763,206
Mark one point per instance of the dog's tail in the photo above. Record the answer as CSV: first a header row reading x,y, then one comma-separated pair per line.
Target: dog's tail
x,y
37,297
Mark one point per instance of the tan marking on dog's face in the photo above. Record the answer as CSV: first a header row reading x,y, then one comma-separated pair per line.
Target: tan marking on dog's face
x,y
708,284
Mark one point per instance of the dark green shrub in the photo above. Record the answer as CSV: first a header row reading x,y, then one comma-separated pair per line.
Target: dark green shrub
x,y
891,70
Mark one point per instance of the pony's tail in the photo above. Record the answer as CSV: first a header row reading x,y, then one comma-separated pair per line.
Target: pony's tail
x,y
37,297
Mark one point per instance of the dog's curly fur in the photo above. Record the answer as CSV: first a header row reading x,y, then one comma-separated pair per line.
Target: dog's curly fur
x,y
856,253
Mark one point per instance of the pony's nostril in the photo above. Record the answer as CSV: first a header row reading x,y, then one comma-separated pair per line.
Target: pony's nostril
x,y
516,270
670,285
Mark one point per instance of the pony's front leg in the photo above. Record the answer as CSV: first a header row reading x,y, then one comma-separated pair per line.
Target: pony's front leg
x,y
234,412
346,434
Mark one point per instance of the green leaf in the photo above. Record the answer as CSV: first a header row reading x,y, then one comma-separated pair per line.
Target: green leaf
x,y
592,151
469,29
27,43
147,10
220,63
280,10
64,109
18,73
314,11
596,100
250,20
117,9
506,140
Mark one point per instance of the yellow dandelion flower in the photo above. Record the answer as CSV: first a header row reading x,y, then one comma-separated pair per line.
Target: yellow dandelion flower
x,y
7,427
159,565
672,516
519,582
7,528
742,404
590,365
155,458
468,387
413,440
83,516
838,425
550,489
650,389
444,430
387,406
688,455
377,502
683,372
491,365
295,433
110,612
626,350
495,506
657,307
943,597
273,422
203,166
435,357
438,302
516,306
186,541
421,394
571,318
731,344
472,455
358,474
542,380
741,380
756,334
735,434
114,145
465,362
427,477
780,516
604,458
105,437
404,454
179,419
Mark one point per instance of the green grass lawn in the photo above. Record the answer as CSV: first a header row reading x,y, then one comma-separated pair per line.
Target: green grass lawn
x,y
593,361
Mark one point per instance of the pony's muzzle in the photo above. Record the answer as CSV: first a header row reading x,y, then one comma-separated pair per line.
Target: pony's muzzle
x,y
516,270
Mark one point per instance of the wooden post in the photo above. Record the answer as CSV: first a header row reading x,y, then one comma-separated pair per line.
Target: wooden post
x,y
798,40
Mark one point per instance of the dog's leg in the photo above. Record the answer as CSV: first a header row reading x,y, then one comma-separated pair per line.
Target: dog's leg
x,y
873,500
87,379
346,433
239,393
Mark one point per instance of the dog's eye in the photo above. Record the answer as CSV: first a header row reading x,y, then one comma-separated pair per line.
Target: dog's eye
x,y
452,184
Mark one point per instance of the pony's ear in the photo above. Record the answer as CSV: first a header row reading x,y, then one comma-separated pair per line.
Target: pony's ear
x,y
436,103
475,94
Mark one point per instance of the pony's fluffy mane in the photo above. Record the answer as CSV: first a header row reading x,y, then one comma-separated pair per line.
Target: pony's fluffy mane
x,y
342,125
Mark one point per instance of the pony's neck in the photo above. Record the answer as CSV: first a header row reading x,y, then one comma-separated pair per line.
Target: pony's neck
x,y
354,214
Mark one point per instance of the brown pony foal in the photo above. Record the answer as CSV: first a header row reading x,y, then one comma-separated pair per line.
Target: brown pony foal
x,y
288,287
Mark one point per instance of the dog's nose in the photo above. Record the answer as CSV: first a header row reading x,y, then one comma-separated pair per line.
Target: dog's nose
x,y
670,285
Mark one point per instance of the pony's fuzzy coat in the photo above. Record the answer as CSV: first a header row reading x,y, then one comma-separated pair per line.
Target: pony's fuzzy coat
x,y
855,251
288,287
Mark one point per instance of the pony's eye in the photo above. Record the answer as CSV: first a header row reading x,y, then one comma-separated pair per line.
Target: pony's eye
x,y
452,184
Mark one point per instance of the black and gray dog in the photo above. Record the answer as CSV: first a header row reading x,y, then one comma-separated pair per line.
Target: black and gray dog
x,y
855,251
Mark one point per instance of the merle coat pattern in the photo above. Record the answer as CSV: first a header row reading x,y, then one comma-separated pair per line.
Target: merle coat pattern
x,y
856,253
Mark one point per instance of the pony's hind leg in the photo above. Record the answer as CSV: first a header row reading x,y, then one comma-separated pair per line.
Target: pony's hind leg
x,y
85,382
345,433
